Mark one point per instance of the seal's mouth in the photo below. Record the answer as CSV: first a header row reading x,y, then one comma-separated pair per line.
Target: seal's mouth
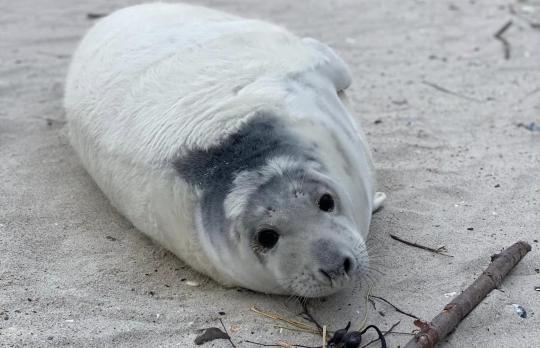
x,y
319,283
333,281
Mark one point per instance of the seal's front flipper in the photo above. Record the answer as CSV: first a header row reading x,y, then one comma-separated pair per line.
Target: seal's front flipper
x,y
378,200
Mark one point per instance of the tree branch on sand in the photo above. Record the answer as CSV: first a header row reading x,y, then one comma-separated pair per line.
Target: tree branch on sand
x,y
452,314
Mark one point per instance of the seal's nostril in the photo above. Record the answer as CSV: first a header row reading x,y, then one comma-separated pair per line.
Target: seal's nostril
x,y
347,265
325,274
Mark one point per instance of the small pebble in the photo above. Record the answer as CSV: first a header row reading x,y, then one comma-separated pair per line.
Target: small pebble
x,y
235,328
399,102
520,310
533,127
192,283
470,228
537,288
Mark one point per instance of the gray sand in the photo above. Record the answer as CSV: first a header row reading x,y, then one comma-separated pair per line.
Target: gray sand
x,y
74,272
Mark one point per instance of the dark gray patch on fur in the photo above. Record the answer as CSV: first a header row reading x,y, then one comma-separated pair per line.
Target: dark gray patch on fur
x,y
213,170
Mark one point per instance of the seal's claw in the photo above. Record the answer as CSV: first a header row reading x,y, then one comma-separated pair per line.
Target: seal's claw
x,y
378,200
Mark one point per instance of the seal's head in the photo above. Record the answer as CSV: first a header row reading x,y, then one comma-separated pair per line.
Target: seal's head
x,y
294,226
271,216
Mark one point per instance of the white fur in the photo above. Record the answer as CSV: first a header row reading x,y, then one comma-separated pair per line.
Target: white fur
x,y
141,90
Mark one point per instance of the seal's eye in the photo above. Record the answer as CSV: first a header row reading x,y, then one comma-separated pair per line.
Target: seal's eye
x,y
268,238
326,203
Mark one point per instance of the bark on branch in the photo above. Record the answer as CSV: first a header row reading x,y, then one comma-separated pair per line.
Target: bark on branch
x,y
444,323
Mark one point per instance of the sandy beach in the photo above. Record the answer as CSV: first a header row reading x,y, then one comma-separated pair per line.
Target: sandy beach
x,y
454,126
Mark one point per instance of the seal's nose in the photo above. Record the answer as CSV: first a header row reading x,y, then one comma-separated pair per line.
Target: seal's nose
x,y
334,260
337,269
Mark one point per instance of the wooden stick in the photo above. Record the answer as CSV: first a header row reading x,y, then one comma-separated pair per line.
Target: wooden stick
x,y
444,323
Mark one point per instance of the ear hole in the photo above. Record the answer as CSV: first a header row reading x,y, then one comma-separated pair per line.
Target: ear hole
x,y
326,203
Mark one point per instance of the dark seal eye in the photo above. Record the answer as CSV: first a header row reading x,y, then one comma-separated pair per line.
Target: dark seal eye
x,y
267,238
326,203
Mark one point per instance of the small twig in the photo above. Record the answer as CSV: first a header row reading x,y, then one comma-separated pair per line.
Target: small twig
x,y
310,317
440,251
447,91
224,328
386,333
324,336
284,344
373,304
94,15
501,264
280,345
364,321
534,25
499,36
312,331
394,306
262,344
274,316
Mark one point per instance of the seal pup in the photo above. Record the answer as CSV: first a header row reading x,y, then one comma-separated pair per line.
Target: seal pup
x,y
229,142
